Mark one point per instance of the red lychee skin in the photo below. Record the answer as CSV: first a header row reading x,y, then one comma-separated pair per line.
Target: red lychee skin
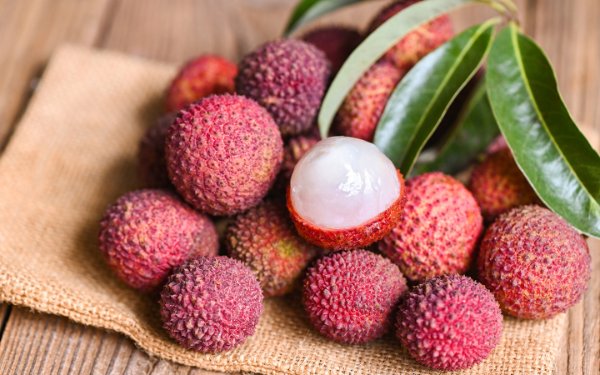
x,y
350,238
288,77
223,154
152,167
203,76
146,233
438,228
211,305
264,239
535,264
498,185
361,110
449,323
350,296
419,42
337,42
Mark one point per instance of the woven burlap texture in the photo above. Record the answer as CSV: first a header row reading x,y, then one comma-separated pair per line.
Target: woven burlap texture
x,y
73,153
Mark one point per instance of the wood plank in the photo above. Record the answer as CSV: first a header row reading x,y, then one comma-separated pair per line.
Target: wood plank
x,y
43,344
29,32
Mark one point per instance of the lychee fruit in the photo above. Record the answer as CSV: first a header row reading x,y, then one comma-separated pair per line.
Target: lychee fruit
x,y
498,185
350,296
418,42
146,233
211,304
535,264
223,154
200,77
449,323
360,112
345,194
293,151
438,228
264,239
288,77
152,167
337,42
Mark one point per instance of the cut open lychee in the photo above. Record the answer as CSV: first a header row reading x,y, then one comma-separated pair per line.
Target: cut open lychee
x,y
345,194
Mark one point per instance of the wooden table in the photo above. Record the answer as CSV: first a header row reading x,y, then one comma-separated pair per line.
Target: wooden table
x,y
174,31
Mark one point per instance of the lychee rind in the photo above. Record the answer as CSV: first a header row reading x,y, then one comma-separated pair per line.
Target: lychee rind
x,y
350,296
288,77
264,239
152,167
438,228
498,185
203,76
337,42
417,43
146,233
223,154
350,238
535,264
449,323
361,110
211,305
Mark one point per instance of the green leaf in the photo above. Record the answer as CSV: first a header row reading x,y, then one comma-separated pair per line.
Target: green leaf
x,y
421,99
308,10
374,46
474,130
561,166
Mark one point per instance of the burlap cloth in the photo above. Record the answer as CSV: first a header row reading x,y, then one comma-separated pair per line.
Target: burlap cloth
x,y
74,152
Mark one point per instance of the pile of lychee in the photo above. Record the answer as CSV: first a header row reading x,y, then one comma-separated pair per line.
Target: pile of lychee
x,y
332,220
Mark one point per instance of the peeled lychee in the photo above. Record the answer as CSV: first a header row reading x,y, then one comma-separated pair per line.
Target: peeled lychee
x,y
288,77
535,264
211,304
146,233
350,296
265,240
152,167
499,185
418,42
438,228
449,323
200,77
345,194
337,42
223,154
294,150
361,110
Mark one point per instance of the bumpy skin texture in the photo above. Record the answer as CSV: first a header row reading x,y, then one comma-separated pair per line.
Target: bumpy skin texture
x,y
438,228
200,77
152,167
360,112
294,150
336,42
449,323
223,154
535,264
419,42
265,240
350,296
351,238
288,77
211,305
499,185
146,233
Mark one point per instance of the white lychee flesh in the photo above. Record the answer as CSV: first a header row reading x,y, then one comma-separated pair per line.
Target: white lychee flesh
x,y
343,182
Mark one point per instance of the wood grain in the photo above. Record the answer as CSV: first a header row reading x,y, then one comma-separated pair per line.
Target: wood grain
x,y
176,31
29,32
